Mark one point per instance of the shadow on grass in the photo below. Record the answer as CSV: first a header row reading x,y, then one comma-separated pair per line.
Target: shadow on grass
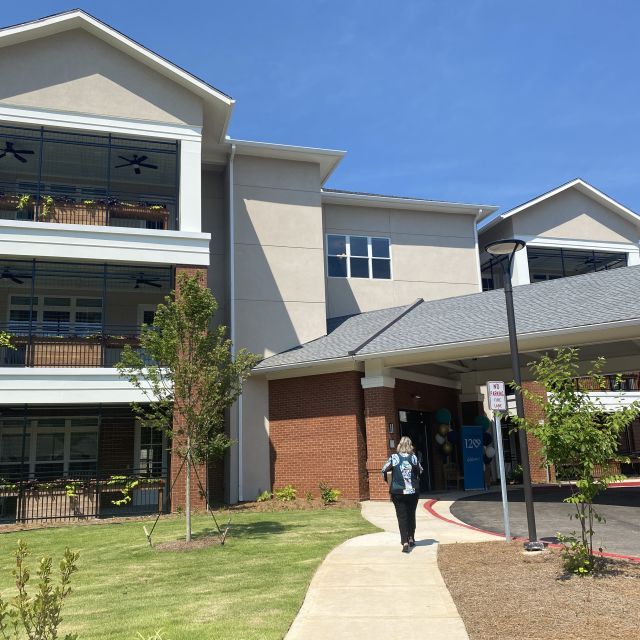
x,y
251,530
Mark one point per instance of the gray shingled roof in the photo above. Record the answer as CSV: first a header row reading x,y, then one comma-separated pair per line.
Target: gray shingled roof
x,y
567,303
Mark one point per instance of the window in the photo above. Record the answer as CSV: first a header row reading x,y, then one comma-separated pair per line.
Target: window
x,y
358,257
53,447
550,263
56,315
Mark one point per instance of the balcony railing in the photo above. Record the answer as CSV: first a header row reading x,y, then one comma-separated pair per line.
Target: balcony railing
x,y
81,496
64,347
625,382
87,209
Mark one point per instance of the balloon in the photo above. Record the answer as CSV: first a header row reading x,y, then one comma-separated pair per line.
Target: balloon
x,y
490,452
483,421
447,448
440,439
487,438
443,416
452,436
443,429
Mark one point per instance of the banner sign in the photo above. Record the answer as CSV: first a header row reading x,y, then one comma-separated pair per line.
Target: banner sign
x,y
473,463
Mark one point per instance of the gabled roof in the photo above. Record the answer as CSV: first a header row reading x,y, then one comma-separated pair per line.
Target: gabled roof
x,y
590,302
486,222
79,19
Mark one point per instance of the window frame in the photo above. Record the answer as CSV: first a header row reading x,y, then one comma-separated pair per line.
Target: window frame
x,y
370,257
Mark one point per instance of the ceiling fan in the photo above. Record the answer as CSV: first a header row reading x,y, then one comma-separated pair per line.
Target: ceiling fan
x,y
150,283
16,153
7,275
137,162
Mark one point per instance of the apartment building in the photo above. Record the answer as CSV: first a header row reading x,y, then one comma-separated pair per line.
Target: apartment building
x,y
116,173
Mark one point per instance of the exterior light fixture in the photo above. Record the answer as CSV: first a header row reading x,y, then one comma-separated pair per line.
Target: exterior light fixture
x,y
506,250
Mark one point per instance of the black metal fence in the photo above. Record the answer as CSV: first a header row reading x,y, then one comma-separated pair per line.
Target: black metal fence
x,y
55,498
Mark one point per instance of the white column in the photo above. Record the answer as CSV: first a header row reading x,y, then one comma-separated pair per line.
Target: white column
x,y
633,258
190,188
520,273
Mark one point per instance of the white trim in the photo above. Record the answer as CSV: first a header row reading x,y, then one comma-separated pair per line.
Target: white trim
x,y
62,385
79,19
71,120
586,189
328,159
114,244
373,382
370,257
425,378
397,202
477,251
569,243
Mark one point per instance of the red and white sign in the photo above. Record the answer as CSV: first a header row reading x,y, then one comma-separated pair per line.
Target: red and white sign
x,y
497,396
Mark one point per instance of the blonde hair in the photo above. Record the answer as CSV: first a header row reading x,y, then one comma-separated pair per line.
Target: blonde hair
x,y
405,445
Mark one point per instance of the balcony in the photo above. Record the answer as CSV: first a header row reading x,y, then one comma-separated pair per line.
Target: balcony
x,y
97,180
65,314
624,382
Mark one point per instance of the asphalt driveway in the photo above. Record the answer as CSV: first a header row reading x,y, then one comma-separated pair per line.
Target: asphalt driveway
x,y
619,505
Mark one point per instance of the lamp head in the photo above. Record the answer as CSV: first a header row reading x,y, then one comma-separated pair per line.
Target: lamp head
x,y
506,247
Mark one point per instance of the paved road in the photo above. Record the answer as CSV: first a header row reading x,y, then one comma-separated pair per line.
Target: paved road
x,y
619,505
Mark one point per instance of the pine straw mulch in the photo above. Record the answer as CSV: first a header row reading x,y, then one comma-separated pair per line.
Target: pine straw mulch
x,y
299,504
500,595
199,542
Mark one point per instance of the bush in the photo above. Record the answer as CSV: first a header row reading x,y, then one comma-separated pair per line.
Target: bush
x,y
38,614
576,555
265,496
328,494
308,496
286,494
515,475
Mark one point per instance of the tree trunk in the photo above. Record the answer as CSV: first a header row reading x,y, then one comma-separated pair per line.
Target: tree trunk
x,y
187,498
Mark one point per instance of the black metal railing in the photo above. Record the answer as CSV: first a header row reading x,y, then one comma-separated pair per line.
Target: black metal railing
x,y
87,207
81,495
624,382
65,346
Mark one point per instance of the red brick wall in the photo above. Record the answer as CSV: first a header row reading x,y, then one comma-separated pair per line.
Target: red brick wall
x,y
316,433
380,410
178,494
534,413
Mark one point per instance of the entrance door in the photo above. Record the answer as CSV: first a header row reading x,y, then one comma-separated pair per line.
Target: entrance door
x,y
150,461
414,424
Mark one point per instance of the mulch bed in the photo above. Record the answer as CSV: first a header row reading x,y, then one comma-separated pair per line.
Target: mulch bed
x,y
181,545
500,595
300,504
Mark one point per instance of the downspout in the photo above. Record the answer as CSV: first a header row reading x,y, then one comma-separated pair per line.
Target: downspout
x,y
232,310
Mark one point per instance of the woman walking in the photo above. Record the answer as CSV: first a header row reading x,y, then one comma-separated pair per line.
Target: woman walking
x,y
405,472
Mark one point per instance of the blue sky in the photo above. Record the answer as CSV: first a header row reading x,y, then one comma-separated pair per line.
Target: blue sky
x,y
485,101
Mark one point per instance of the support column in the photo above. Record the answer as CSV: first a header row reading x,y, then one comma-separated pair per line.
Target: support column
x,y
379,411
190,185
198,500
540,473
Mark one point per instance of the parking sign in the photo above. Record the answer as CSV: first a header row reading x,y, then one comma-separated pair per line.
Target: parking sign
x,y
497,396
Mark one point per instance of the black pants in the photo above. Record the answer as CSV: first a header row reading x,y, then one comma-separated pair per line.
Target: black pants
x,y
406,513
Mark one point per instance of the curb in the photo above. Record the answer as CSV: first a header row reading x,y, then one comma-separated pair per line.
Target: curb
x,y
429,507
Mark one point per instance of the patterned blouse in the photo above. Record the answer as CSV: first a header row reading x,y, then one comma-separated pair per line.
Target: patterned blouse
x,y
405,470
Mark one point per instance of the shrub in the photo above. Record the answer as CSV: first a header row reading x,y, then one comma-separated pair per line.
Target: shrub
x,y
286,494
576,555
515,475
308,496
265,496
328,494
38,615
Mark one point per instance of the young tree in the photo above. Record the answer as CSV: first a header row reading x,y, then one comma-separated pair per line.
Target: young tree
x,y
578,434
187,369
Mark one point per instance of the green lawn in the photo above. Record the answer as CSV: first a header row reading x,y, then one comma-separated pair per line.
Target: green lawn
x,y
250,588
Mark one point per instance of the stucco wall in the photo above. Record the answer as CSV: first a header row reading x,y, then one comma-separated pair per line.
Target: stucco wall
x,y
433,256
75,71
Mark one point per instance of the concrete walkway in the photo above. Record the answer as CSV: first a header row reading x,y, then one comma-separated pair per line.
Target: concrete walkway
x,y
367,588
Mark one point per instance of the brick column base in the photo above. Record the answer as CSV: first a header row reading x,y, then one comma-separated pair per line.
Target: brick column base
x,y
534,413
379,411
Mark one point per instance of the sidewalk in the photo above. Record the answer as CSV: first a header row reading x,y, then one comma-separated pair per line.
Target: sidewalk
x,y
367,588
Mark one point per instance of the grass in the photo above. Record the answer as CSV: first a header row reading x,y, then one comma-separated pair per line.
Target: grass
x,y
249,589
501,594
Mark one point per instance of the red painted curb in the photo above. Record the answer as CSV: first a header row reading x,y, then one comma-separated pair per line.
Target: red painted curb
x,y
428,505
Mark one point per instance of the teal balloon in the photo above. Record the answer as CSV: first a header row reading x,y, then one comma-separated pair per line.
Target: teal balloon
x,y
483,421
443,416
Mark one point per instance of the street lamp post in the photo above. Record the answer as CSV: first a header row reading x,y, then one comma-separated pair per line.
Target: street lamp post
x,y
506,250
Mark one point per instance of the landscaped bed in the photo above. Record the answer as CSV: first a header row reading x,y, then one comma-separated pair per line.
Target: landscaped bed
x,y
250,588
500,595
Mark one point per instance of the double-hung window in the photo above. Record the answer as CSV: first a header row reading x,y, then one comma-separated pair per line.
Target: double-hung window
x,y
358,257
